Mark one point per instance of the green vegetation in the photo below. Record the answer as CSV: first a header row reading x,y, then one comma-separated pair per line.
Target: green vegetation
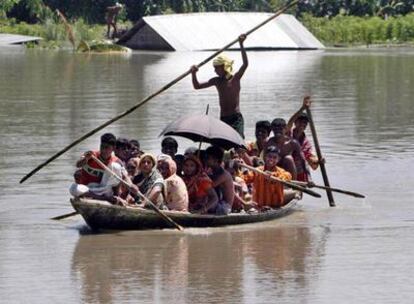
x,y
345,22
53,31
350,30
101,47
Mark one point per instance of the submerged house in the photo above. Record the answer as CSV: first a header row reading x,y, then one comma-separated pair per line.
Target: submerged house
x,y
211,31
10,39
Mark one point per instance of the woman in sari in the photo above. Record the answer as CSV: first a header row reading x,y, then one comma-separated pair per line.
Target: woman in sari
x,y
177,196
149,181
201,194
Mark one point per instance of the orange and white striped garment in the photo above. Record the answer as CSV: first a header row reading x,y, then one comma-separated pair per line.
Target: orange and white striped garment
x,y
267,192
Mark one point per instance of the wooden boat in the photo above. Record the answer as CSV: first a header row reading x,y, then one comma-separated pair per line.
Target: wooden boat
x,y
103,215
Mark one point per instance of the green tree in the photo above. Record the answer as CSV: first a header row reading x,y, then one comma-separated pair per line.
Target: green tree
x,y
6,6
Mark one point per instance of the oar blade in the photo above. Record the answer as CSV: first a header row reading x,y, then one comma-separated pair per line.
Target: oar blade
x,y
63,216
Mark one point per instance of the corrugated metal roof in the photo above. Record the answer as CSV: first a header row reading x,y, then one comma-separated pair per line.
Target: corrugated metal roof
x,y
211,31
7,39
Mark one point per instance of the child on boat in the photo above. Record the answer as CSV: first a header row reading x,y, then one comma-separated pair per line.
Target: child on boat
x,y
266,192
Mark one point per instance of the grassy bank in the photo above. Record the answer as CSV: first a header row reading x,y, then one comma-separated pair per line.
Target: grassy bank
x,y
352,31
339,30
54,33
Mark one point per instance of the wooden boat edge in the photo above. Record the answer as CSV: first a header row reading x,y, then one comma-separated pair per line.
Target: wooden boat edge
x,y
103,215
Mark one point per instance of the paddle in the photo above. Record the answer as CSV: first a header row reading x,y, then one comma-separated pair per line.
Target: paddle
x,y
63,216
145,100
312,185
287,183
142,196
319,154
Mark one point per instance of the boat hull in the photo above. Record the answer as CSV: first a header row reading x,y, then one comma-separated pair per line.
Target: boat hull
x,y
103,215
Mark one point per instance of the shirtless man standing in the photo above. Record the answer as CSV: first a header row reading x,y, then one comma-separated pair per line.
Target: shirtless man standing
x,y
111,14
228,87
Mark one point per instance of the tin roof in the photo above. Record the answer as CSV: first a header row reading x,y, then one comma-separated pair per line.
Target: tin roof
x,y
211,31
7,39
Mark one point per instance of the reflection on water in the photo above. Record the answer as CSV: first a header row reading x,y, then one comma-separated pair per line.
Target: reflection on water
x,y
363,111
222,266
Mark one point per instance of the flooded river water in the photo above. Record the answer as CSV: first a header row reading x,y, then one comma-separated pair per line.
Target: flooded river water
x,y
358,252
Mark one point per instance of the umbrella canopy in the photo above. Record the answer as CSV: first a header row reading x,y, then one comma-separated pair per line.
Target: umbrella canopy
x,y
207,129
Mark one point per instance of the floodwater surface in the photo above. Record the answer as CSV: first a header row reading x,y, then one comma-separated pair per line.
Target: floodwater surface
x,y
357,252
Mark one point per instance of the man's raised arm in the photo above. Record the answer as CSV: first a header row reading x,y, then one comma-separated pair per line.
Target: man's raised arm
x,y
306,103
245,64
197,85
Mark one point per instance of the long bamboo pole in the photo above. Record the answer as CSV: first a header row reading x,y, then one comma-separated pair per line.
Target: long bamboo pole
x,y
287,183
319,154
312,185
148,98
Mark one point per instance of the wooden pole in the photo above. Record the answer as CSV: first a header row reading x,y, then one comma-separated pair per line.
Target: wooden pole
x,y
146,200
201,142
312,185
63,216
287,183
319,154
148,98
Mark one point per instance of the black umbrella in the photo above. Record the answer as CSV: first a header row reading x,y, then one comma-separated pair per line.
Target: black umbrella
x,y
205,128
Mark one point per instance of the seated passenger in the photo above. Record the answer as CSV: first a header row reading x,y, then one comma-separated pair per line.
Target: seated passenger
x,y
241,192
149,182
290,152
132,171
177,196
134,149
132,167
122,150
91,180
266,192
201,194
262,132
222,180
169,146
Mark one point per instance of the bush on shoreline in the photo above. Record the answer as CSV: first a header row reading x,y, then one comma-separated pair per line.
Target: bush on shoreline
x,y
53,32
350,30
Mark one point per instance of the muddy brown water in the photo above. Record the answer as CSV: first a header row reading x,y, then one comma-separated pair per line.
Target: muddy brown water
x,y
357,252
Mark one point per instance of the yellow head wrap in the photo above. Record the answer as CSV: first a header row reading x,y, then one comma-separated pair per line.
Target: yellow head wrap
x,y
226,62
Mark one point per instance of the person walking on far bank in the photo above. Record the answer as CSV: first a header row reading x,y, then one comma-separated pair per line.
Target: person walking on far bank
x,y
111,14
228,87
